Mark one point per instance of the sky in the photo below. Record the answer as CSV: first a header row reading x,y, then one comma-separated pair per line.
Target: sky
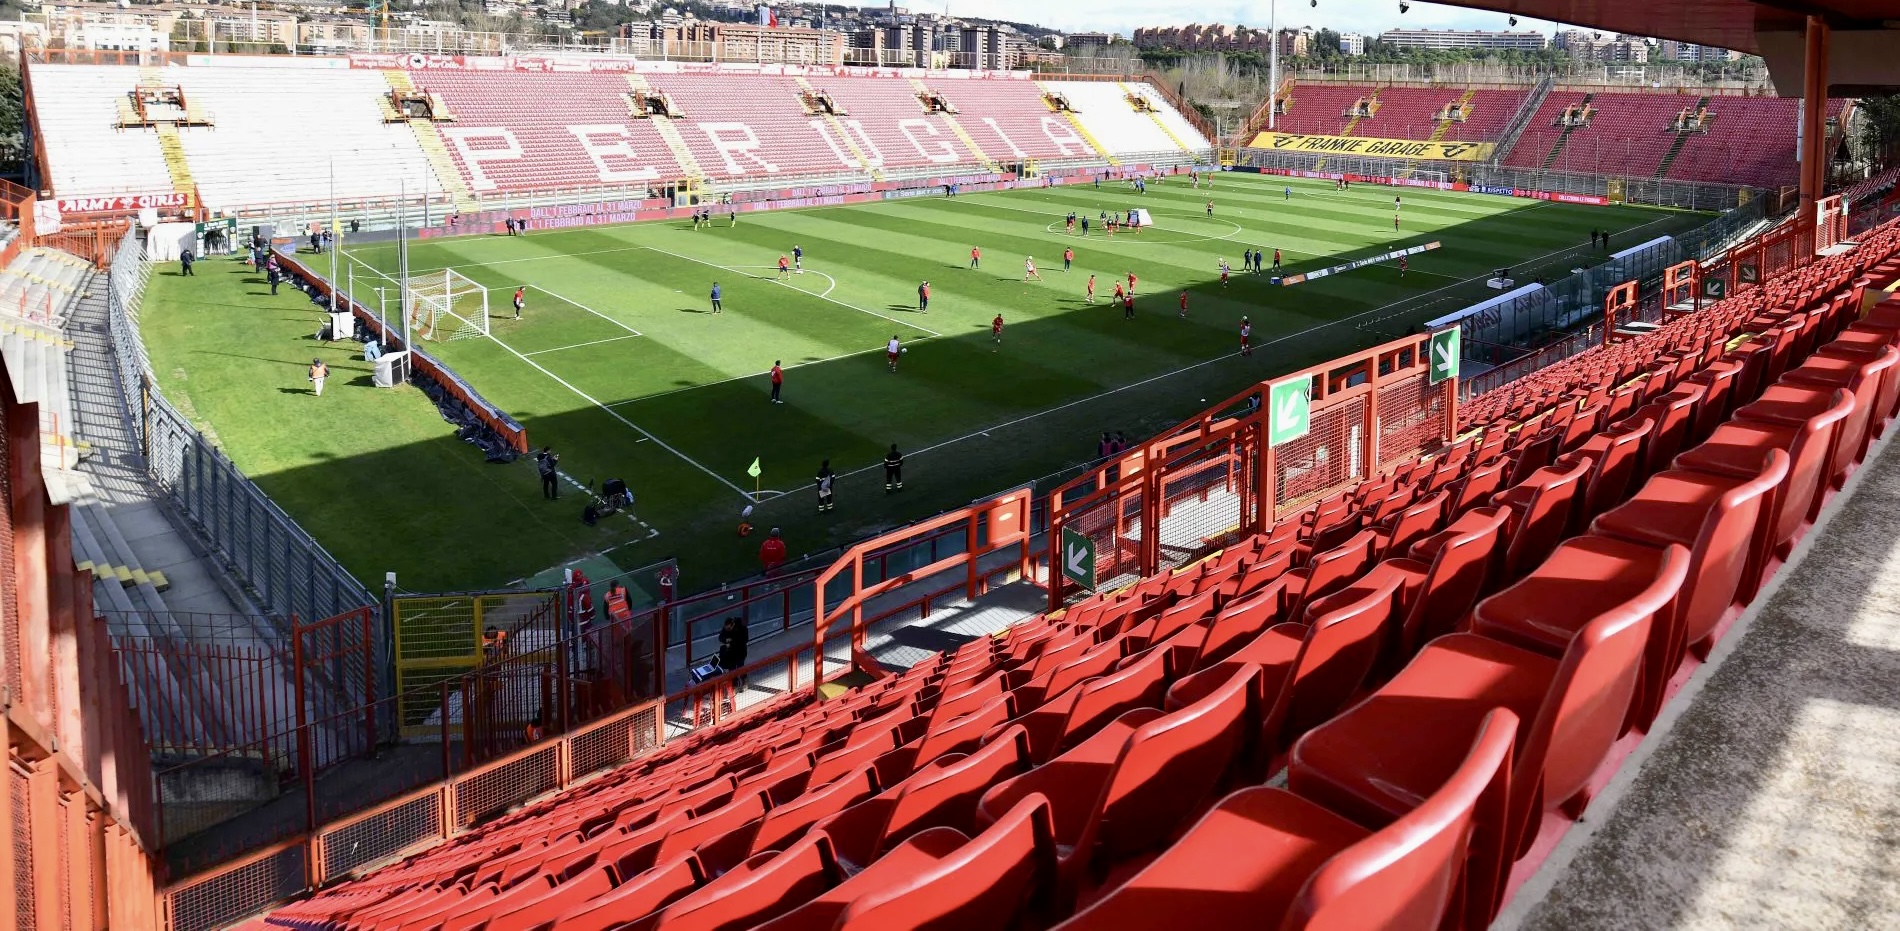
x,y
1125,16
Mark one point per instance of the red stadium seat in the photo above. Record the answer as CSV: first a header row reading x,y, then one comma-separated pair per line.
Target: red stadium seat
x,y
1377,760
1304,867
760,889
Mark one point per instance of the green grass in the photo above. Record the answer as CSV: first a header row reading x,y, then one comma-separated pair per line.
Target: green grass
x,y
679,410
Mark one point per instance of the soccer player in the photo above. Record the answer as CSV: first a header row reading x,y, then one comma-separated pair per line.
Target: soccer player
x,y
1276,259
715,298
1184,305
1246,337
996,331
1128,307
1223,273
784,268
1119,293
894,468
823,480
1131,282
1068,258
923,298
318,372
798,258
1029,269
1286,193
892,350
521,297
1395,203
1395,223
1401,266
1246,259
1210,208
1085,226
1071,223
976,257
1091,292
778,380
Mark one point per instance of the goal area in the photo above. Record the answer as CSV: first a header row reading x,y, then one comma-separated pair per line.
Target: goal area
x,y
446,305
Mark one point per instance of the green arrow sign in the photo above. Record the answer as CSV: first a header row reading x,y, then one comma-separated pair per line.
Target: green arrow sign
x,y
1078,558
1444,355
1288,410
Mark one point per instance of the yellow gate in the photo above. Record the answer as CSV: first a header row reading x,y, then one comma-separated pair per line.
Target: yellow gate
x,y
1615,191
444,637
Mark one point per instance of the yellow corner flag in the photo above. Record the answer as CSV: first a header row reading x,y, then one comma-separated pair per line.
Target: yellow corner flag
x,y
754,470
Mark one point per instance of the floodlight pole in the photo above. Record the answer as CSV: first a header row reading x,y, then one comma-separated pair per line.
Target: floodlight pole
x,y
1273,62
402,259
336,239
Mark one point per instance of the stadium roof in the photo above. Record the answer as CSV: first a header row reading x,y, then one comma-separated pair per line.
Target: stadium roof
x,y
1866,33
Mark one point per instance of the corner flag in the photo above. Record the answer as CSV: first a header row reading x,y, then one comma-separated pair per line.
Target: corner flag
x,y
753,469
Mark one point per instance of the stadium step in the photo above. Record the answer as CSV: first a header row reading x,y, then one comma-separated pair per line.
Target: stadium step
x,y
1438,132
1558,149
837,126
1153,115
1089,137
956,129
675,142
1351,125
1675,148
174,152
434,150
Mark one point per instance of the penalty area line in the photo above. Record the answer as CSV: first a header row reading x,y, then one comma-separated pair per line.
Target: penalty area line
x,y
616,415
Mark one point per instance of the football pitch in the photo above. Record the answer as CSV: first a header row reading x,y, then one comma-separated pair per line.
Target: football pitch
x,y
619,363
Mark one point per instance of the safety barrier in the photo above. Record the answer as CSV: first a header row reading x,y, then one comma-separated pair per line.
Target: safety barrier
x,y
1239,466
289,573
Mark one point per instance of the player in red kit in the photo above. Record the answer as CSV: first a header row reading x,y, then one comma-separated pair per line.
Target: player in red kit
x,y
784,268
1091,294
1128,307
976,256
1401,266
996,332
1246,337
1184,305
1131,282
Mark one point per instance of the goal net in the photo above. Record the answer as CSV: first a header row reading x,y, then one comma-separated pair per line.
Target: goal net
x,y
447,305
1428,174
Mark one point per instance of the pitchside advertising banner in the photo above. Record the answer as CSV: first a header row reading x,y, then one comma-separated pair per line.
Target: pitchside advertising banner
x,y
1381,148
123,203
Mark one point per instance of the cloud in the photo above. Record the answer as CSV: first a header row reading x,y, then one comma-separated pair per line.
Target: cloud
x,y
1125,16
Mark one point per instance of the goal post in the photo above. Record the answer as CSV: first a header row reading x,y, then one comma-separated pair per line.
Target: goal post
x,y
446,305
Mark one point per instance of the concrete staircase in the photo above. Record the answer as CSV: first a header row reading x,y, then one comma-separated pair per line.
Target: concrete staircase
x,y
434,150
670,133
1089,137
837,129
1351,125
1675,148
1438,133
956,129
1558,149
1157,118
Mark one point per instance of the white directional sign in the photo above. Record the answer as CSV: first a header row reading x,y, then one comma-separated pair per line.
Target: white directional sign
x,y
1444,351
1078,558
1289,411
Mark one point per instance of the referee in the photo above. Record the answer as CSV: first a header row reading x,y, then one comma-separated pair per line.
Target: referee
x,y
893,470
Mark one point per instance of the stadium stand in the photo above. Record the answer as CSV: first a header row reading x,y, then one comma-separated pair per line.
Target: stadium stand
x,y
266,149
507,138
95,156
1487,114
1545,584
1103,110
515,132
1314,107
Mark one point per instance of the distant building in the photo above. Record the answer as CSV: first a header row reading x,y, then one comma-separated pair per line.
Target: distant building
x,y
1198,37
740,42
1352,43
1595,46
333,33
1087,41
1465,39
1668,50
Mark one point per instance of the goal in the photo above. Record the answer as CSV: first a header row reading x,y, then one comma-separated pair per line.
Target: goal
x,y
1427,175
447,305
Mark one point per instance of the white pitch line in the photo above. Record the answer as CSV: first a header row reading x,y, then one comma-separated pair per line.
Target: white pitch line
x,y
828,300
615,415
571,480
837,358
591,342
806,271
613,320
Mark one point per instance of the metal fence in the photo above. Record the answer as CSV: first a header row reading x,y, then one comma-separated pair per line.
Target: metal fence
x,y
1630,189
286,571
